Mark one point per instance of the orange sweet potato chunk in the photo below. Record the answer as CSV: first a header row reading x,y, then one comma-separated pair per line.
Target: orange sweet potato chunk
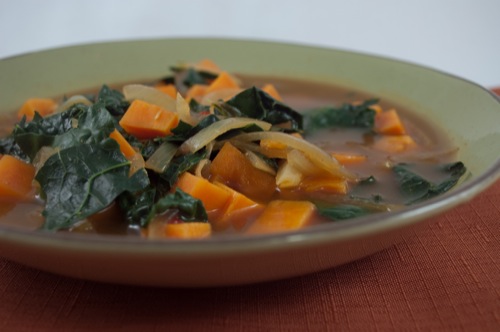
x,y
232,168
282,216
44,106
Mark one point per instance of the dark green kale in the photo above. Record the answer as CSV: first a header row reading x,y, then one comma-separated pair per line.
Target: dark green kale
x,y
347,115
341,212
112,100
416,189
188,207
256,104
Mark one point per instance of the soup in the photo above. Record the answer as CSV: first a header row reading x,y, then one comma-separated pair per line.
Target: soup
x,y
206,153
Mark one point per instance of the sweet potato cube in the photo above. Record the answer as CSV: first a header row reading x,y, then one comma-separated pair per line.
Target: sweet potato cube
x,y
232,168
282,216
188,230
237,211
389,123
16,180
271,90
125,147
223,81
146,121
168,89
44,106
212,196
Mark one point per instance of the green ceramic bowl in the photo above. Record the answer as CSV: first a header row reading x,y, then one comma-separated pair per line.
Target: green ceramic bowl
x,y
466,112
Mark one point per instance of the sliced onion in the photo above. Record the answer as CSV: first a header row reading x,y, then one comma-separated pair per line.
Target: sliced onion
x,y
301,162
259,163
317,156
77,99
222,94
183,110
149,95
210,133
160,159
288,176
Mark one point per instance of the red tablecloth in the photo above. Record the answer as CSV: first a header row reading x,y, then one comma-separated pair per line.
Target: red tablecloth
x,y
446,277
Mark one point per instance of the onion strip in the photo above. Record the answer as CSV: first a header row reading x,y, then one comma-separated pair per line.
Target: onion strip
x,y
160,159
77,99
316,155
210,133
149,95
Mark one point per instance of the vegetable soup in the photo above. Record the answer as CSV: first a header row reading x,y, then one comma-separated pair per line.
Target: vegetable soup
x,y
203,152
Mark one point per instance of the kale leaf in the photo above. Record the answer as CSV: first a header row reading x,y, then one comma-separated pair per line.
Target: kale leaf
x,y
256,104
190,208
341,212
347,115
112,100
180,165
417,189
84,179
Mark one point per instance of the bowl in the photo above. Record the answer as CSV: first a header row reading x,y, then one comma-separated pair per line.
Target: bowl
x,y
466,112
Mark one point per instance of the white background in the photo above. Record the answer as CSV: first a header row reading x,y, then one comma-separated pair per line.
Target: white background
x,y
461,37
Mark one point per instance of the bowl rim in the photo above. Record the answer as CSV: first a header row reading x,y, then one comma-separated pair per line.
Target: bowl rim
x,y
335,231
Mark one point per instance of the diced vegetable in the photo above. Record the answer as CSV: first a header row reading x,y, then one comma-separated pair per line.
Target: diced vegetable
x,y
197,91
168,89
282,216
16,180
389,123
188,230
271,90
212,196
237,212
223,81
146,121
125,147
329,185
394,143
232,168
349,158
43,106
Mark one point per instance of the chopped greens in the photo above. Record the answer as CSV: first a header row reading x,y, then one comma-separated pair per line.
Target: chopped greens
x,y
417,189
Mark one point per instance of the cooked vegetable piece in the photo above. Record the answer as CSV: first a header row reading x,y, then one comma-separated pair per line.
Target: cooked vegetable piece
x,y
168,89
394,143
43,106
16,180
213,197
389,123
232,168
416,188
237,211
271,90
197,91
146,121
149,95
208,134
330,185
84,179
223,81
125,147
188,230
282,216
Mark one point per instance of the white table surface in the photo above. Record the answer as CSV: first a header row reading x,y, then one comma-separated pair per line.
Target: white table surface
x,y
460,37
